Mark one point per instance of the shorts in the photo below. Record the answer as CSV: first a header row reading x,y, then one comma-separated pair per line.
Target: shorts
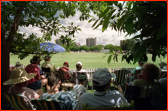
x,y
36,85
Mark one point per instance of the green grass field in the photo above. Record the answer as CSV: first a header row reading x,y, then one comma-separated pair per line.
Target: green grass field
x,y
89,60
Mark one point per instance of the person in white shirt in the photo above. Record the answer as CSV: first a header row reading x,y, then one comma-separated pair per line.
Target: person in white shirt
x,y
79,72
102,96
79,88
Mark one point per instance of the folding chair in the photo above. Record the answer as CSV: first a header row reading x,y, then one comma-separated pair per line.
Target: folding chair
x,y
144,97
117,107
62,75
120,77
48,104
18,101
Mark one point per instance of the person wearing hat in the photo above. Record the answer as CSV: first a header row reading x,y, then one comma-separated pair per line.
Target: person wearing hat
x,y
102,96
79,88
48,64
76,75
18,64
38,81
54,94
19,82
65,70
65,66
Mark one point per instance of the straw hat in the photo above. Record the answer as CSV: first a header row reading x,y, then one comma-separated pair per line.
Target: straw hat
x,y
19,75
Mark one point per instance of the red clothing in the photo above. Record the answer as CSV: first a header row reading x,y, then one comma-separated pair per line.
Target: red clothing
x,y
33,68
67,75
65,68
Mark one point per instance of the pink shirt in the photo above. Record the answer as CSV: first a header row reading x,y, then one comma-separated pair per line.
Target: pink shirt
x,y
33,68
29,93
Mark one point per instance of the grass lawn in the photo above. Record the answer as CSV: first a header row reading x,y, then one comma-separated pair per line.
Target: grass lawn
x,y
89,60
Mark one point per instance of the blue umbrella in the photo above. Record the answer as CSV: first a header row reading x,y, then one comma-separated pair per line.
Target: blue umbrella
x,y
51,47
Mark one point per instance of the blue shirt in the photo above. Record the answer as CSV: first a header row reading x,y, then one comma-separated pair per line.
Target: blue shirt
x,y
61,96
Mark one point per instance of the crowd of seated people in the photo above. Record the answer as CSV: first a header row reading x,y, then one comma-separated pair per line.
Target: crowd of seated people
x,y
33,81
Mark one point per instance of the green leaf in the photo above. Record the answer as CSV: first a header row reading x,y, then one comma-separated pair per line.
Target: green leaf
x,y
104,13
120,49
154,57
95,23
162,32
129,24
106,21
141,50
109,59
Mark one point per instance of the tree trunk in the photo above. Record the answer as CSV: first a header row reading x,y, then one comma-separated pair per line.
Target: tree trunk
x,y
5,62
5,73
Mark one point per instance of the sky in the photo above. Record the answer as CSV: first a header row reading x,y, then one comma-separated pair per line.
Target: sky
x,y
109,36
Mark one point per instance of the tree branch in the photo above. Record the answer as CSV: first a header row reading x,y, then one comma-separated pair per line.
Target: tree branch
x,y
15,25
15,52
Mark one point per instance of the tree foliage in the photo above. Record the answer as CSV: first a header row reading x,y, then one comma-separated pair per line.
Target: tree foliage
x,y
146,19
127,44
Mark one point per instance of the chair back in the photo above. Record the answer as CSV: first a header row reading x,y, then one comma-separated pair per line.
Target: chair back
x,y
18,101
62,75
46,69
116,107
47,104
120,76
145,97
132,93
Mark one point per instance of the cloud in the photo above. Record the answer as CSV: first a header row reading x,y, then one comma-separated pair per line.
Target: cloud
x,y
107,37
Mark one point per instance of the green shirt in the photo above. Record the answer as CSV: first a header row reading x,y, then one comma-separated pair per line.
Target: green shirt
x,y
141,82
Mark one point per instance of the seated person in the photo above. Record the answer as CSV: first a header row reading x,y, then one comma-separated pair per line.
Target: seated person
x,y
18,64
48,64
133,72
79,88
38,81
102,96
162,64
20,80
54,93
163,83
66,70
76,75
148,73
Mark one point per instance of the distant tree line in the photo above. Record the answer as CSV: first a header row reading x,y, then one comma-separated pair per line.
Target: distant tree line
x,y
126,45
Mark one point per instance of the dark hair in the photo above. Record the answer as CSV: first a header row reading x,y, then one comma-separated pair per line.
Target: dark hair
x,y
99,88
78,67
53,79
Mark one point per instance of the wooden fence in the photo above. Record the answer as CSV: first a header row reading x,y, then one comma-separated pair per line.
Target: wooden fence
x,y
91,70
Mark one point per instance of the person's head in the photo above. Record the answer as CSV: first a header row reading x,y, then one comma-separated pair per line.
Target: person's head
x,y
150,71
19,77
82,79
65,64
35,60
78,66
18,64
101,79
162,64
54,80
47,58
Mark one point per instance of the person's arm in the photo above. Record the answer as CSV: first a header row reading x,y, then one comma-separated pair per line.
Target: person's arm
x,y
120,89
